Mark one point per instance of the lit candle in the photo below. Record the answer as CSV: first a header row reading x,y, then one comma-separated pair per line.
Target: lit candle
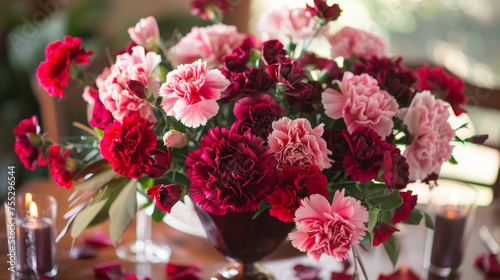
x,y
34,242
448,242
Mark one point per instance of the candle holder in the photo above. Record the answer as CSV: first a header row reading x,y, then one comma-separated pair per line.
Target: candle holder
x,y
452,206
33,219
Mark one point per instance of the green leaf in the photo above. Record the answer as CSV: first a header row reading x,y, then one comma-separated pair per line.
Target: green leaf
x,y
415,217
158,215
122,211
263,207
372,222
97,181
392,248
389,202
85,217
146,183
99,132
453,160
428,221
462,126
111,192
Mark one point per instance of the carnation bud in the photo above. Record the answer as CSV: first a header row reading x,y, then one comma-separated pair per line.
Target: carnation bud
x,y
140,90
175,139
166,196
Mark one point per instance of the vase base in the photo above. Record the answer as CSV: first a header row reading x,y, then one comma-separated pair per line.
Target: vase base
x,y
139,251
238,271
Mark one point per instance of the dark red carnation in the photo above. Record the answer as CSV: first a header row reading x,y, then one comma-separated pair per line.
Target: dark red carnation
x,y
101,117
324,11
166,196
395,169
237,60
230,172
382,233
28,145
294,185
53,73
403,211
330,71
306,101
272,50
366,154
391,75
444,86
125,144
156,162
207,9
336,143
248,82
57,166
256,114
290,73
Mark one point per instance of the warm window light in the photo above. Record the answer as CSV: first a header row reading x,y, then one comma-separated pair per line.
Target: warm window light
x,y
33,210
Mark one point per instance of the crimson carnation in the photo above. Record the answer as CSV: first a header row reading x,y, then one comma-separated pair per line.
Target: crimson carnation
x,y
101,117
391,76
395,169
403,212
323,11
57,166
28,145
156,162
294,185
230,172
125,144
382,233
366,154
290,73
237,60
272,51
200,7
444,86
256,114
307,100
166,196
336,143
248,82
53,73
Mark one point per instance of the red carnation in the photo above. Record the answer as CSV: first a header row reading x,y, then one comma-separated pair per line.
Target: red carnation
x,y
290,73
256,114
28,145
391,75
444,86
57,166
101,117
403,211
336,143
250,81
272,50
395,169
230,172
323,11
166,196
366,154
205,8
382,233
53,73
294,185
307,100
156,162
125,144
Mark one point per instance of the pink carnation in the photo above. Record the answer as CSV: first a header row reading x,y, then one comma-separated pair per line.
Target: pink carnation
x,y
287,24
191,92
113,90
361,103
355,42
427,122
145,33
330,229
295,142
208,43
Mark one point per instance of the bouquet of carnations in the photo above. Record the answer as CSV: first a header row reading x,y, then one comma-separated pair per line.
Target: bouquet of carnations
x,y
241,123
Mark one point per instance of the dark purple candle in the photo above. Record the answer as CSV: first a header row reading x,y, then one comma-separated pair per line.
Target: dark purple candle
x,y
34,244
447,245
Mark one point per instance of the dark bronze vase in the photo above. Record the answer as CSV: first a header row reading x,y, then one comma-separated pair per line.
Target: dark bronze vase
x,y
244,241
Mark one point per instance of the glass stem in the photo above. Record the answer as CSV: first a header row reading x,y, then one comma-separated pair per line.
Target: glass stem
x,y
143,233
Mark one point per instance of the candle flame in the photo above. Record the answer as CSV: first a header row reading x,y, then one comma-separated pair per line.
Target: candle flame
x,y
28,198
33,210
454,197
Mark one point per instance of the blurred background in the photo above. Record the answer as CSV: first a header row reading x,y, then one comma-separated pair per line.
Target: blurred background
x,y
461,35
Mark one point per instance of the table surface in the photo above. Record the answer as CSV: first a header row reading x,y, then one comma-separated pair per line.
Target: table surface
x,y
188,249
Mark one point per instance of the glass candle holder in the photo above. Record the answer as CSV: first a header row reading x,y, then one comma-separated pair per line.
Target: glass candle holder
x,y
34,237
452,206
